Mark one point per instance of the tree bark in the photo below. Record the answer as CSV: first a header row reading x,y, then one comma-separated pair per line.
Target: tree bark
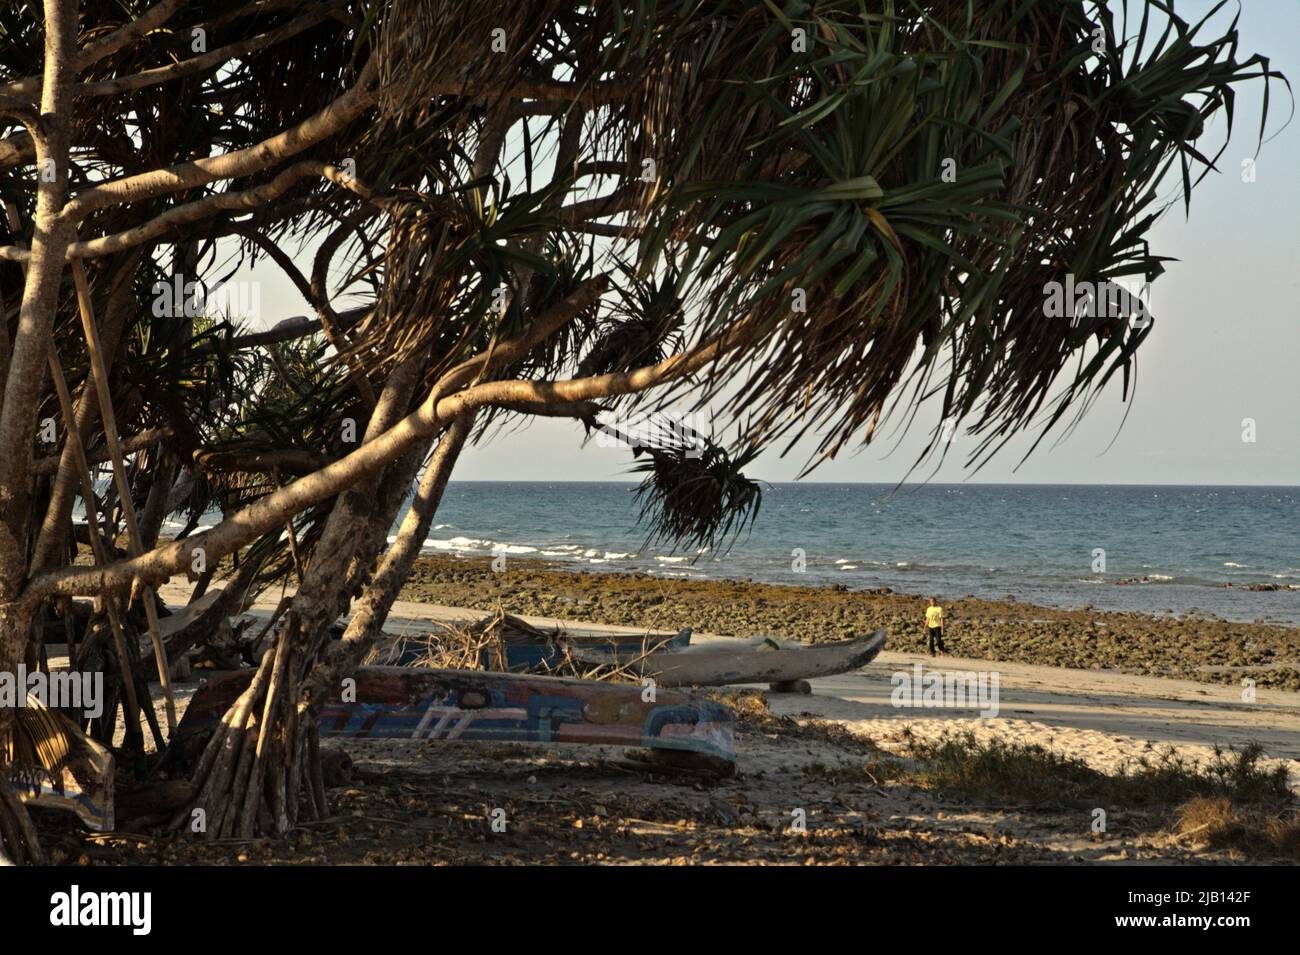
x,y
50,238
231,775
22,392
372,610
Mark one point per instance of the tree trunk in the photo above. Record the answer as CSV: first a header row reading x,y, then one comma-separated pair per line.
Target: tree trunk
x,y
44,274
18,842
372,609
238,784
15,628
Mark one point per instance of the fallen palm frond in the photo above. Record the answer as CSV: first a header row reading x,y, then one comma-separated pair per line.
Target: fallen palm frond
x,y
38,738
450,646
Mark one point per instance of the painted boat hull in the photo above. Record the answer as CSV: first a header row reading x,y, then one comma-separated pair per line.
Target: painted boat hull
x,y
725,667
476,705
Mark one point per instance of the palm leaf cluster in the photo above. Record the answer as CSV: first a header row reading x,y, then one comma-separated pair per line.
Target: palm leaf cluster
x,y
902,275
865,197
697,499
871,195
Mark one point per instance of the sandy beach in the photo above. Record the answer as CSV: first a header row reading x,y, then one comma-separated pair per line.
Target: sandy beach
x,y
1106,719
830,756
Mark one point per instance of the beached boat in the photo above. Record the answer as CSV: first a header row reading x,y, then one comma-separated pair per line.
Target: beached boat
x,y
523,652
476,705
707,667
528,647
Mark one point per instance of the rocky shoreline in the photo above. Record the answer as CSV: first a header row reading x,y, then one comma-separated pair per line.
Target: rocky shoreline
x,y
1188,647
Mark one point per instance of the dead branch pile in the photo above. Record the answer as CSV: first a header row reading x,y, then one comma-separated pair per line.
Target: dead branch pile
x,y
482,646
449,646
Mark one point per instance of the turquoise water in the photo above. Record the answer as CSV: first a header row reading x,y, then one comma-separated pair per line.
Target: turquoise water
x,y
1177,546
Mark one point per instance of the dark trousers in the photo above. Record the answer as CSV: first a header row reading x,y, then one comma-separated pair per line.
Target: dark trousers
x,y
936,637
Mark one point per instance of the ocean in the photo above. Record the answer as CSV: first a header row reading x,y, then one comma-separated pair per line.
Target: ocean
x,y
1154,549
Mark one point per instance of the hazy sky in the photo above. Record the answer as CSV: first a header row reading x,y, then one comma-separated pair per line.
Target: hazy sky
x,y
1225,346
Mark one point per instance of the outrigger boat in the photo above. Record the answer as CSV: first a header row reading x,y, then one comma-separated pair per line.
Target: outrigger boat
x,y
783,666
531,648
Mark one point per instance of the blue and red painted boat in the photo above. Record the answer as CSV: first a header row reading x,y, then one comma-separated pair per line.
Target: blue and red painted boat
x,y
475,705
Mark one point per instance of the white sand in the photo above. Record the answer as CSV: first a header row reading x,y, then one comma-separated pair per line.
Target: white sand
x,y
1105,719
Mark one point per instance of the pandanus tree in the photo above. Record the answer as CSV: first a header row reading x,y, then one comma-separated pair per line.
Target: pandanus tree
x,y
804,216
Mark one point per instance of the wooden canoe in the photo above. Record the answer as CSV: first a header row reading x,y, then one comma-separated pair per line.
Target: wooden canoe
x,y
704,667
536,649
478,705
523,654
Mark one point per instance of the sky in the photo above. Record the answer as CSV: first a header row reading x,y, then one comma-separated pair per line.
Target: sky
x,y
1225,346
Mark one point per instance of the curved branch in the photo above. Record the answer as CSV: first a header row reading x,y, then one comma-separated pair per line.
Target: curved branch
x,y
622,200
320,298
277,255
137,442
210,205
299,326
206,61
513,394
242,162
151,19
148,21
432,416
17,149
273,510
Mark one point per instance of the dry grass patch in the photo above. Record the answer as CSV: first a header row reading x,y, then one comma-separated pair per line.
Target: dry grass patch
x,y
1230,801
1217,823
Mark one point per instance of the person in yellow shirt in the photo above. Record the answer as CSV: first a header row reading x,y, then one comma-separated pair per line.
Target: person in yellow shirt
x,y
934,623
